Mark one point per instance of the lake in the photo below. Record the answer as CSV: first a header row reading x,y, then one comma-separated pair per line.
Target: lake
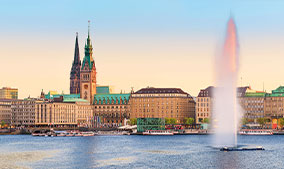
x,y
179,151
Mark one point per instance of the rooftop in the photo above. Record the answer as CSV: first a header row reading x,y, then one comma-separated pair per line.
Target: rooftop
x,y
152,90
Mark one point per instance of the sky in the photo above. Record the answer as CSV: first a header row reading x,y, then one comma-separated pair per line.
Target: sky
x,y
161,43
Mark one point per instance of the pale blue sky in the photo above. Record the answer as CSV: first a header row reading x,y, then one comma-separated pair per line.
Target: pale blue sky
x,y
137,43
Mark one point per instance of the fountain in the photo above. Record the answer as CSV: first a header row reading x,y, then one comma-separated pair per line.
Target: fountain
x,y
225,110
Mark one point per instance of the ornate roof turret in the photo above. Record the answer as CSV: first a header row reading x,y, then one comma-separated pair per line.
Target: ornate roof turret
x,y
88,62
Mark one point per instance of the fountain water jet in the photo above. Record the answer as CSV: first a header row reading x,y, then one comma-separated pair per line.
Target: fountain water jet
x,y
225,118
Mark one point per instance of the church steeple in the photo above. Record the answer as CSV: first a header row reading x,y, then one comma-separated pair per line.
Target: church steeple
x,y
75,70
88,71
77,53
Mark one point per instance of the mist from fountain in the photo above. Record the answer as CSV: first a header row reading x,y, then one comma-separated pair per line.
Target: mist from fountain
x,y
225,117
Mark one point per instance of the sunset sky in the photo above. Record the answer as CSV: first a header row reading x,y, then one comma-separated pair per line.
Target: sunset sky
x,y
158,43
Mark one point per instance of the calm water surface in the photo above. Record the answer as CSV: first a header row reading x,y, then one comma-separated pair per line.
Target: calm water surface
x,y
187,151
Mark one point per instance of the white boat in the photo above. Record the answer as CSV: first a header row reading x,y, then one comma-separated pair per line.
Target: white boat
x,y
158,133
61,134
69,134
78,134
88,133
255,132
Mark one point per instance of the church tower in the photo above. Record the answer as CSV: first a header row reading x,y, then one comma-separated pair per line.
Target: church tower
x,y
75,70
88,72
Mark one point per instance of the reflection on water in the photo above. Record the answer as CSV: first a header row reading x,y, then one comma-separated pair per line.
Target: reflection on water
x,y
115,161
188,151
23,159
163,152
226,160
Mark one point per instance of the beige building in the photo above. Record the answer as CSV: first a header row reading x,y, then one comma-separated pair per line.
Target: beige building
x,y
205,101
5,111
64,113
23,112
204,104
8,93
58,112
161,103
253,105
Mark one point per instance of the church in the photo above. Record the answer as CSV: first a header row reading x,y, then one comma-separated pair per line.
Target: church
x,y
109,108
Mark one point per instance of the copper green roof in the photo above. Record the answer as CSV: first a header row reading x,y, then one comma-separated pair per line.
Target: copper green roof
x,y
103,90
88,59
109,98
66,96
279,92
66,100
255,94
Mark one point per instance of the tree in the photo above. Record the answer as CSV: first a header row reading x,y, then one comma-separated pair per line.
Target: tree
x,y
188,120
3,123
167,121
173,120
133,121
206,120
260,121
170,120
244,121
281,122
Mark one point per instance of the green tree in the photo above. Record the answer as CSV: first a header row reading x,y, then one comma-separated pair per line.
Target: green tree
x,y
244,121
167,121
260,121
188,120
206,120
173,120
170,120
3,123
281,122
133,121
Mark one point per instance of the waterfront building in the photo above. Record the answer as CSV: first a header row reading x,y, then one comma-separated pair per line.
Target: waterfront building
x,y
252,105
23,112
204,104
8,93
274,106
88,73
162,103
144,124
75,70
205,101
64,112
5,111
111,109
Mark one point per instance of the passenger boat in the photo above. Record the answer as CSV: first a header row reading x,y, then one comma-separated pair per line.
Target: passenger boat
x,y
255,132
158,133
70,134
88,133
79,134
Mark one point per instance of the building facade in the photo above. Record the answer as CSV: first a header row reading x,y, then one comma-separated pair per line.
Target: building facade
x,y
111,109
62,112
162,103
23,112
8,93
274,106
205,101
5,111
253,105
75,70
204,104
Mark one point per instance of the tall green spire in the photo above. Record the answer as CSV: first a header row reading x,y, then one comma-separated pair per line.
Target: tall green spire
x,y
88,59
